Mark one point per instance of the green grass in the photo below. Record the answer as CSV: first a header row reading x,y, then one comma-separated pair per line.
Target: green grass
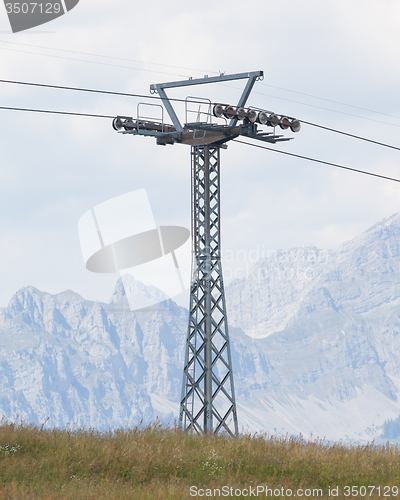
x,y
158,463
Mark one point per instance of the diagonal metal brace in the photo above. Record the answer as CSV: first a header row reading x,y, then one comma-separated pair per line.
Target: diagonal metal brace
x,y
160,89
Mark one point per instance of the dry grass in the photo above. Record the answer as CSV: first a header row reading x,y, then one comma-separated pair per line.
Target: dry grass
x,y
157,463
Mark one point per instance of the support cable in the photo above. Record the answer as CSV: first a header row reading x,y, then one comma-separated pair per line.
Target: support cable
x,y
103,56
204,72
127,94
235,140
56,112
350,135
319,161
327,109
89,61
95,91
328,100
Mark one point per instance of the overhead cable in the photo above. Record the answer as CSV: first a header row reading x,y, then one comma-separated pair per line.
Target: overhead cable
x,y
55,112
329,100
91,115
350,135
106,57
127,94
206,72
321,107
318,161
91,62
94,91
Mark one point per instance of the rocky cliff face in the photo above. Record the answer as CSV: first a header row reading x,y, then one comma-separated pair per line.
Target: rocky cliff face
x,y
315,346
326,325
84,363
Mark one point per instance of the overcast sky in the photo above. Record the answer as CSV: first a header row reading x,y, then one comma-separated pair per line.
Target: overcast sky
x,y
334,63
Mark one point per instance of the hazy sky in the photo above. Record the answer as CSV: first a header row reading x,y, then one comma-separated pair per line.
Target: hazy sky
x,y
334,63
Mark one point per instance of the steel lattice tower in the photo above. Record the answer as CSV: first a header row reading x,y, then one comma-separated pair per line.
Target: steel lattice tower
x,y
208,396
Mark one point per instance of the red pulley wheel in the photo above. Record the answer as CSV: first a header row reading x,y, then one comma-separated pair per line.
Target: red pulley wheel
x,y
285,123
229,112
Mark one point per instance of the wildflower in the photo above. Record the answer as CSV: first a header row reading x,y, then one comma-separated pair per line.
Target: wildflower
x,y
8,449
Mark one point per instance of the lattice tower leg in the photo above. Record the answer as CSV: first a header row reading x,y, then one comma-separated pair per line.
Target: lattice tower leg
x,y
208,396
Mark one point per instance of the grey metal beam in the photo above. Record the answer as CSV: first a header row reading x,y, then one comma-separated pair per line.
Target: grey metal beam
x,y
211,79
243,98
169,108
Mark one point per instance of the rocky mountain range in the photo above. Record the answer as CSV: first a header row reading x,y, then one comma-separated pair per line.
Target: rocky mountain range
x,y
315,348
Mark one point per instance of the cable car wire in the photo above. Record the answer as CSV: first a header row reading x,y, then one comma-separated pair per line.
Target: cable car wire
x,y
81,89
350,135
328,100
104,57
319,161
321,107
47,111
207,72
128,94
93,62
91,115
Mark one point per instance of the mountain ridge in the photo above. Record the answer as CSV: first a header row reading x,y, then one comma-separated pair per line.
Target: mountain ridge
x,y
314,337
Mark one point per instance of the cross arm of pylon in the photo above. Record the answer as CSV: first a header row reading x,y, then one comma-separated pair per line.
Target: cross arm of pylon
x,y
213,123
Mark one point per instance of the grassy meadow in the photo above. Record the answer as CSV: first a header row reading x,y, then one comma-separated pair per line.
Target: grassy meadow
x,y
155,463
